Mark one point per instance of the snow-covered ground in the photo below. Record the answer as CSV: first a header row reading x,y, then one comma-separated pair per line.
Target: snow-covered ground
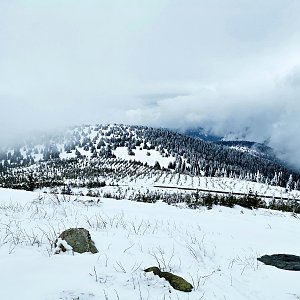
x,y
161,181
146,156
215,250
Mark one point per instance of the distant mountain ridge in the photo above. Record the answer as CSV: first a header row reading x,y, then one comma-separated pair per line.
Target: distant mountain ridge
x,y
253,148
201,133
86,151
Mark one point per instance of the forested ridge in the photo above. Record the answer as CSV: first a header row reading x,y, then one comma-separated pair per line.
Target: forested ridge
x,y
84,152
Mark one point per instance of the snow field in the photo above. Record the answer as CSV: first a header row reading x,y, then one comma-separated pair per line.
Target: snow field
x,y
139,181
215,250
141,155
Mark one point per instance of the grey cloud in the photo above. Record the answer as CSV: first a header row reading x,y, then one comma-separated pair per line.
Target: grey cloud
x,y
293,77
225,65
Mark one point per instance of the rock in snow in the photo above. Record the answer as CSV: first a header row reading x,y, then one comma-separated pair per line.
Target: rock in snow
x,y
178,283
282,261
79,239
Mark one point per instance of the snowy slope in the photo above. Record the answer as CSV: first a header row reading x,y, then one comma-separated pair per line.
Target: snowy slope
x,y
136,179
145,156
215,250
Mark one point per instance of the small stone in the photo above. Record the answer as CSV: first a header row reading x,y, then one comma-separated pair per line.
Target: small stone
x,y
177,282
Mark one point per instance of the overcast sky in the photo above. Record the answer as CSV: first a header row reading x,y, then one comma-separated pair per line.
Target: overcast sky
x,y
231,66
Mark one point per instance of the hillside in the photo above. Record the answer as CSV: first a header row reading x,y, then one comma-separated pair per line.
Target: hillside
x,y
216,250
92,151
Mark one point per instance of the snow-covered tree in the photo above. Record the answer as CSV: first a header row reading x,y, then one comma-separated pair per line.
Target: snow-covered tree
x,y
289,184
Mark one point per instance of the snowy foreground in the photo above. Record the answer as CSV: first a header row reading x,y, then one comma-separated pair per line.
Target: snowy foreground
x,y
215,250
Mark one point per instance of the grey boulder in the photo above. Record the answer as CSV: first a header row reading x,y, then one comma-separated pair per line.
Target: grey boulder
x,y
79,239
282,261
